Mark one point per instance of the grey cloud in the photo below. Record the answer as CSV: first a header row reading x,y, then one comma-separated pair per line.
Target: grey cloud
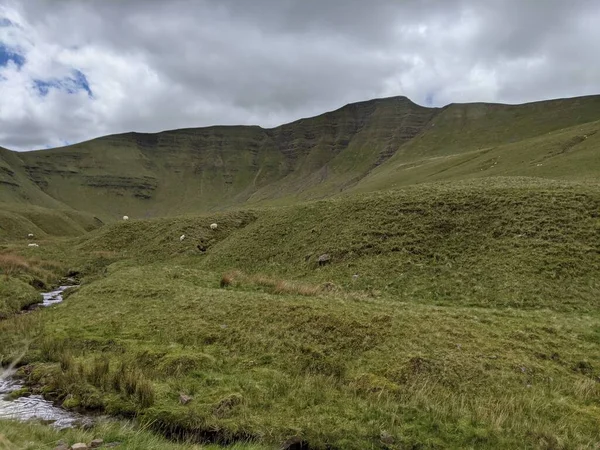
x,y
156,65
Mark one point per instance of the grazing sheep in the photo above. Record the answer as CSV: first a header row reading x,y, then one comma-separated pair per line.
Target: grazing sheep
x,y
213,226
182,237
125,217
30,235
32,245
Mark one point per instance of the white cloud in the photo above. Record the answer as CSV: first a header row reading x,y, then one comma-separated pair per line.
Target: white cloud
x,y
154,65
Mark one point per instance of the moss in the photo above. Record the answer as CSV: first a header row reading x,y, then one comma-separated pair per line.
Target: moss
x,y
71,402
22,392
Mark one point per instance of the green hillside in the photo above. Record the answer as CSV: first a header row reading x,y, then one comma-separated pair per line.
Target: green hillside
x,y
365,146
449,315
383,276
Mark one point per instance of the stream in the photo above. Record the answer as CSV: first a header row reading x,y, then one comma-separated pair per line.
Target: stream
x,y
35,406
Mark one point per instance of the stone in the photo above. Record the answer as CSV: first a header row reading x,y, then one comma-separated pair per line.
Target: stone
x,y
96,443
79,446
185,399
386,438
61,445
324,259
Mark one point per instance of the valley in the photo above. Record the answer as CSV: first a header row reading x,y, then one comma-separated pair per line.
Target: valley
x,y
457,305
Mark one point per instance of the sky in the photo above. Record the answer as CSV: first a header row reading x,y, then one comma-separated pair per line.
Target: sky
x,y
72,70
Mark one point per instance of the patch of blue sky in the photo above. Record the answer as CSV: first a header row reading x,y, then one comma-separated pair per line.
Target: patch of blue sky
x,y
72,84
7,55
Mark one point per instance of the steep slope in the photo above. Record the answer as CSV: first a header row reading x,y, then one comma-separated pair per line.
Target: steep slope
x,y
567,154
25,208
364,146
17,187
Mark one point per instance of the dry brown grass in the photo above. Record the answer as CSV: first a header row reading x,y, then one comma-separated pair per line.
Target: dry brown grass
x,y
230,278
278,286
11,264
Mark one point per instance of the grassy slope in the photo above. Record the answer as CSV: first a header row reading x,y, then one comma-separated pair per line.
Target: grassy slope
x,y
473,322
566,154
18,221
24,208
147,175
365,146
498,242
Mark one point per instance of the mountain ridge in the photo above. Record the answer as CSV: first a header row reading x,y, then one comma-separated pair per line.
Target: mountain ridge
x,y
369,145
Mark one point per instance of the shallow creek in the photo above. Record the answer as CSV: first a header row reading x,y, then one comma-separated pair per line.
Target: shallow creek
x,y
35,406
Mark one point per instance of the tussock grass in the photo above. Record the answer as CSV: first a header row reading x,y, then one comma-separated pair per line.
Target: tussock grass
x,y
11,264
238,279
33,436
259,366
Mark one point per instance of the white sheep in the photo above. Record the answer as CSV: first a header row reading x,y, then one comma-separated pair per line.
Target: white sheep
x,y
30,235
213,226
125,217
182,237
32,245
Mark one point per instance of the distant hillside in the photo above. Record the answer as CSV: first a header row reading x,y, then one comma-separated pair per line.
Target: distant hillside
x,y
364,146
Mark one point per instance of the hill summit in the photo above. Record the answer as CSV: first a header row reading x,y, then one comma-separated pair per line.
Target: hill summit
x,y
366,146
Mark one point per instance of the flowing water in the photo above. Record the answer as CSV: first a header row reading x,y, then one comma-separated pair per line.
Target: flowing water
x,y
35,406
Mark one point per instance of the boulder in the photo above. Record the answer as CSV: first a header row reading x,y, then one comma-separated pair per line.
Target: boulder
x,y
386,438
96,443
324,259
79,446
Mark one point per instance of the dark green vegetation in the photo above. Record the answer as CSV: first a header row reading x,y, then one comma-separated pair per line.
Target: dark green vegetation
x,y
457,314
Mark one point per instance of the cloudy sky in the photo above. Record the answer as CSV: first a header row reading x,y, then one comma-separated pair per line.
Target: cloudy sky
x,y
71,70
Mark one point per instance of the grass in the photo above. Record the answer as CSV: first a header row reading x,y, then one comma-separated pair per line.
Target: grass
x,y
458,307
333,370
22,278
472,321
17,221
506,242
238,279
31,436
